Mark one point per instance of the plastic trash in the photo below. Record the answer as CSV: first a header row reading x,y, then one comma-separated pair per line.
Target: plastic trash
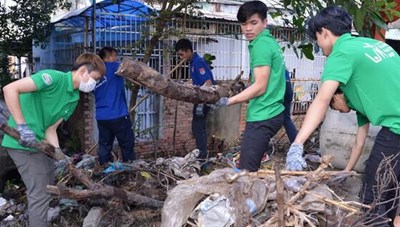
x,y
115,166
3,203
53,213
215,211
251,205
9,218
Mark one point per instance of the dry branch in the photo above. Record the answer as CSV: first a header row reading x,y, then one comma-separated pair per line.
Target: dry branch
x,y
42,147
139,73
280,200
104,191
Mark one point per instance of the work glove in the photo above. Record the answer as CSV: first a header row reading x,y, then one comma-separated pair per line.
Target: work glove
x,y
294,158
26,136
59,155
337,180
199,110
223,101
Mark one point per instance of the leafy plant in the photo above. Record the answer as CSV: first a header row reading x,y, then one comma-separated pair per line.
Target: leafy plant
x,y
209,58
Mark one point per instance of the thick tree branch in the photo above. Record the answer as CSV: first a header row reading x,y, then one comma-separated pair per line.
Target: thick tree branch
x,y
142,74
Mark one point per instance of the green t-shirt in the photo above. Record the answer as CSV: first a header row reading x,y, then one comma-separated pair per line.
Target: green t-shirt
x,y
265,51
54,99
369,76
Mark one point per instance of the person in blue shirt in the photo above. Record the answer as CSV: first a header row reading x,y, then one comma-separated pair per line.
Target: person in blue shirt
x,y
112,111
201,76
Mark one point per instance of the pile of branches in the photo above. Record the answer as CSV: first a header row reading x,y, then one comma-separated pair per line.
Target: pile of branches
x,y
282,198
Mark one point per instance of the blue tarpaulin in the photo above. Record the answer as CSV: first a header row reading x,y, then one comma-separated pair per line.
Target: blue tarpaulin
x,y
112,14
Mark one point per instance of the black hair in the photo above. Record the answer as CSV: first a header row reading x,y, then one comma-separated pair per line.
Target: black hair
x,y
333,18
337,92
184,44
106,51
250,8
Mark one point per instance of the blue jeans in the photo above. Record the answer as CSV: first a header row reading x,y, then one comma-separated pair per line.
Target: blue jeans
x,y
290,128
120,128
199,130
256,138
386,144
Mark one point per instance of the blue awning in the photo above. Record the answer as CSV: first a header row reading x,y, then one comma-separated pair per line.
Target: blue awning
x,y
111,12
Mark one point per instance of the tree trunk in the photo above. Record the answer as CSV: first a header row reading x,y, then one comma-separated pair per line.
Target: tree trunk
x,y
139,73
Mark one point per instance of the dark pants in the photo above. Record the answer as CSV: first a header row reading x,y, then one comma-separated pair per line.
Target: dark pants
x,y
120,128
199,126
256,138
290,128
386,144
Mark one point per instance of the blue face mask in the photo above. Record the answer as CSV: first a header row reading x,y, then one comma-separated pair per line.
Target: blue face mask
x,y
87,86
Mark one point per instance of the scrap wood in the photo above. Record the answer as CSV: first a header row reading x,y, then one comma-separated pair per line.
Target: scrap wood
x,y
138,72
104,191
312,177
280,200
42,147
326,174
341,205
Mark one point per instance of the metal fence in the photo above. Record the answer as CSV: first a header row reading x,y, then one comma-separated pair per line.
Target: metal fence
x,y
222,39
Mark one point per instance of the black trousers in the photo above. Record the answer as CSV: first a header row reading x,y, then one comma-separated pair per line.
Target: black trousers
x,y
108,130
256,139
387,144
199,130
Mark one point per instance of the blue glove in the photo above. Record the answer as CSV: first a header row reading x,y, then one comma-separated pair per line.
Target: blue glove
x,y
199,110
223,101
26,136
294,158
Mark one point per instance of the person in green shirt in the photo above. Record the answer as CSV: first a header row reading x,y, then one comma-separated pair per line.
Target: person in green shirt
x,y
38,104
366,71
265,94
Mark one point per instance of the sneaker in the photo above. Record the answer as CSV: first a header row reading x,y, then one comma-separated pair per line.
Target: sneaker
x,y
265,158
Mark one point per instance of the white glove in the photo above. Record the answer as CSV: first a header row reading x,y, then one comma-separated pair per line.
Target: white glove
x,y
294,158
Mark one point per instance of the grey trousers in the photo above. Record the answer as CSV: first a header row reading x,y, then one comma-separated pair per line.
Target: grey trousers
x,y
37,171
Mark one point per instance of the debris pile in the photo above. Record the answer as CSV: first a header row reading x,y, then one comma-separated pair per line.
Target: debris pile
x,y
170,192
263,198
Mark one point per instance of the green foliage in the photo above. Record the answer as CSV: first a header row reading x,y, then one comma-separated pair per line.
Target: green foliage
x,y
5,77
26,22
209,58
366,15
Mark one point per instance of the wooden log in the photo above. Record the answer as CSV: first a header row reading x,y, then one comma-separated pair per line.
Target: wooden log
x,y
104,191
41,147
139,73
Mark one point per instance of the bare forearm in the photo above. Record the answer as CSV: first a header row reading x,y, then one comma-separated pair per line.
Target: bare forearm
x,y
354,156
51,134
316,112
251,92
11,97
315,115
358,147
